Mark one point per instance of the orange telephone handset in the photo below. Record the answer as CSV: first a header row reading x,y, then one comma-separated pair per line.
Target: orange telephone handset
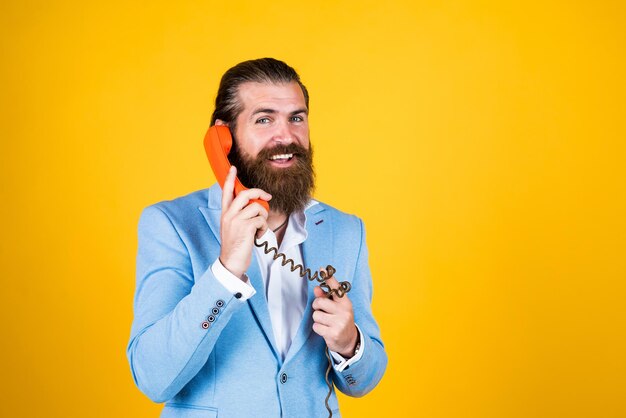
x,y
217,144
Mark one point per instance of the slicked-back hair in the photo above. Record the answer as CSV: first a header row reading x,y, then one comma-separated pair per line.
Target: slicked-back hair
x,y
262,70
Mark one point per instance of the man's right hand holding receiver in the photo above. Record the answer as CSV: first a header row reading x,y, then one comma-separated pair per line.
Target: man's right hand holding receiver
x,y
240,223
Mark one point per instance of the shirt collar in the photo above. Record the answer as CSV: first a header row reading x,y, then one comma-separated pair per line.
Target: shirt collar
x,y
296,233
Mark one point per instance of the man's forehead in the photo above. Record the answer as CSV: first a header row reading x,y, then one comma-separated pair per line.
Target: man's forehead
x,y
277,96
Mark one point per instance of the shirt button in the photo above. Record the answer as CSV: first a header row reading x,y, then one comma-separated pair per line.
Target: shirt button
x,y
215,311
205,325
238,295
219,303
283,378
210,318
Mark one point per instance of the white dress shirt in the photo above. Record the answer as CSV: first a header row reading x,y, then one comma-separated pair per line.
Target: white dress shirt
x,y
285,291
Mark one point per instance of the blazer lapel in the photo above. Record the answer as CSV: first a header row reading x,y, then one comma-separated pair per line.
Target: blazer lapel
x,y
212,215
317,252
213,212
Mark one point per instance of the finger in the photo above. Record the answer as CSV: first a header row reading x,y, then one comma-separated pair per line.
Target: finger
x,y
318,292
324,304
243,198
323,269
259,223
228,192
321,330
324,286
323,318
262,230
252,211
334,284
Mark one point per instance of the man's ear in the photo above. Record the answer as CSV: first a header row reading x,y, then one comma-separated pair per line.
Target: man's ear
x,y
220,122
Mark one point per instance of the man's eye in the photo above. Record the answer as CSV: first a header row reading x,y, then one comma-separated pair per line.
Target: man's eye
x,y
297,118
263,120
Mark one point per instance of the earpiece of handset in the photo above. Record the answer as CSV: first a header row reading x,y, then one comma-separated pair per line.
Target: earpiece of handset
x,y
217,144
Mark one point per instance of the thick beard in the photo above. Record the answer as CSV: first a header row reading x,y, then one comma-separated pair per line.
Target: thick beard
x,y
291,187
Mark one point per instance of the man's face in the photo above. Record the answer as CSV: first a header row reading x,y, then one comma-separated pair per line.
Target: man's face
x,y
272,114
272,149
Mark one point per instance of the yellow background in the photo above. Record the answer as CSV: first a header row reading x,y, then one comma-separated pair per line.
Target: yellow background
x,y
481,142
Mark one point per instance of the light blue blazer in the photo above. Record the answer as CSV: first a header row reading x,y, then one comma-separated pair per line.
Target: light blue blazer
x,y
205,352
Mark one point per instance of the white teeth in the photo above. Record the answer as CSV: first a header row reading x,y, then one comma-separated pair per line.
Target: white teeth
x,y
281,157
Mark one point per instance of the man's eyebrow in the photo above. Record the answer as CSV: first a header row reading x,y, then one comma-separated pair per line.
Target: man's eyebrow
x,y
273,111
264,111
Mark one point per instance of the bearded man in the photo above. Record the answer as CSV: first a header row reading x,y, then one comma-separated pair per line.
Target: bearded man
x,y
222,328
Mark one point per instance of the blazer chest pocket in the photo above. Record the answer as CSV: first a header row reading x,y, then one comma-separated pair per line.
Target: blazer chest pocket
x,y
188,411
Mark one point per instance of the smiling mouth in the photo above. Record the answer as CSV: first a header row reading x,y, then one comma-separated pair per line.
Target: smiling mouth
x,y
280,158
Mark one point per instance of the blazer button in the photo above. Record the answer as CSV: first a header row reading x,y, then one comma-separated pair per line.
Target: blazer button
x,y
238,295
215,311
219,303
283,378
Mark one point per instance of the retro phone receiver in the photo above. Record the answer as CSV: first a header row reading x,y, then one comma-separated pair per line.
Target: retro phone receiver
x,y
217,144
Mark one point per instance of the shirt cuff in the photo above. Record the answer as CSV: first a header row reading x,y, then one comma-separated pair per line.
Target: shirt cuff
x,y
340,363
231,282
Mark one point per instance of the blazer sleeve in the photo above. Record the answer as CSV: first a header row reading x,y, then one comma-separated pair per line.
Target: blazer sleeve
x,y
363,375
177,317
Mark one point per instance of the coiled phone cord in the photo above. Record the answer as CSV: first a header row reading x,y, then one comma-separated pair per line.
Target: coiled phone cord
x,y
344,287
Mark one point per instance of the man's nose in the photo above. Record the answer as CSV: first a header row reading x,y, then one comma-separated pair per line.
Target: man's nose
x,y
284,133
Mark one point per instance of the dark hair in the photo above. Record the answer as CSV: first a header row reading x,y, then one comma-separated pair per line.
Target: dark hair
x,y
262,70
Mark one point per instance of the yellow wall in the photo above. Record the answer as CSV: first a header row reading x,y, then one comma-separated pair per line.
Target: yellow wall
x,y
483,144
